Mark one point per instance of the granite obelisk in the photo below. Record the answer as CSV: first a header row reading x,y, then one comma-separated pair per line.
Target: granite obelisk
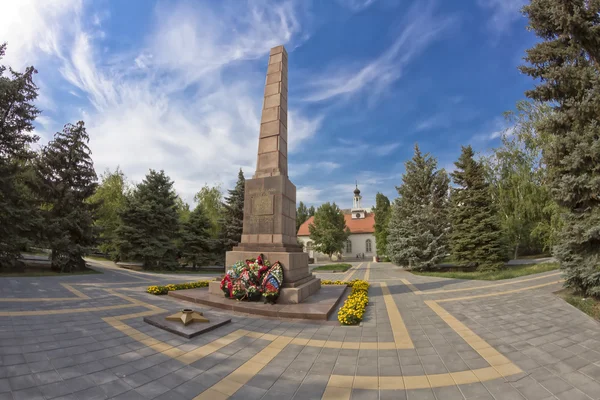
x,y
270,197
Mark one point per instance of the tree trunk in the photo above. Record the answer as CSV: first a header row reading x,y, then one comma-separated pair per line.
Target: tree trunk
x,y
516,250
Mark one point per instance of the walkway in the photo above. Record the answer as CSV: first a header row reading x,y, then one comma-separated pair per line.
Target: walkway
x,y
82,337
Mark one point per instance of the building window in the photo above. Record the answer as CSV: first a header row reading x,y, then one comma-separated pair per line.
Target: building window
x,y
348,246
309,245
368,245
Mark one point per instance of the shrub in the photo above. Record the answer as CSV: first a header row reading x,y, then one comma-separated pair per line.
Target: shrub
x,y
160,290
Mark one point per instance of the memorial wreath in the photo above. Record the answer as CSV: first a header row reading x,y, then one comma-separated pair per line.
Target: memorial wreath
x,y
252,279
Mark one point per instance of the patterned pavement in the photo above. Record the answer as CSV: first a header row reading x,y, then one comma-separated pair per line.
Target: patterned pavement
x,y
82,337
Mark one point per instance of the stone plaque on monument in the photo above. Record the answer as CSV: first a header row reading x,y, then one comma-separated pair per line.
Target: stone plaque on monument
x,y
270,197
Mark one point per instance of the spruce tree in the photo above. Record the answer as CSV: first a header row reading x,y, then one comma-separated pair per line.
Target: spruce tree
x,y
328,230
476,239
67,181
195,238
382,211
301,215
566,67
18,213
418,226
150,223
233,215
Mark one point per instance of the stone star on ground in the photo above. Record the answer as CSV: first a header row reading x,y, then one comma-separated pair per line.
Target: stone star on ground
x,y
82,337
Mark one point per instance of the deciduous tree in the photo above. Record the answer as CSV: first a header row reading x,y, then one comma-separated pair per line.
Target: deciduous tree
x,y
110,195
211,199
328,230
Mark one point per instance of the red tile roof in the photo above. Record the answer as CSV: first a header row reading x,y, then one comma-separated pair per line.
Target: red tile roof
x,y
362,225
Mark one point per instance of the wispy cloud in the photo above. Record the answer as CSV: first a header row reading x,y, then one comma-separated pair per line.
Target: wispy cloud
x,y
420,28
356,5
359,148
503,13
134,106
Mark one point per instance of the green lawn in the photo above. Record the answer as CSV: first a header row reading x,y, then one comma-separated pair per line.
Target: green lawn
x,y
333,267
590,306
506,273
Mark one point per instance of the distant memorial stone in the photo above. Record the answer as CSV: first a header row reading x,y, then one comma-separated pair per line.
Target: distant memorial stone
x,y
270,197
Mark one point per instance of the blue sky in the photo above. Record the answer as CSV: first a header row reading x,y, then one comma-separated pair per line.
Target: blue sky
x,y
177,85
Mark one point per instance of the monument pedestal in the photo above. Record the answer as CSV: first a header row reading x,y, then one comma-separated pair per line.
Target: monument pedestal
x,y
298,283
269,225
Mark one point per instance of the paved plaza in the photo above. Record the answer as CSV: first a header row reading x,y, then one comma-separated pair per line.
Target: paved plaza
x,y
83,337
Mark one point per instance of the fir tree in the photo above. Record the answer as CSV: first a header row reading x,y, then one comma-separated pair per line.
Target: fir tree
x,y
476,239
195,237
566,67
418,226
67,181
301,215
233,215
18,214
328,230
150,223
382,221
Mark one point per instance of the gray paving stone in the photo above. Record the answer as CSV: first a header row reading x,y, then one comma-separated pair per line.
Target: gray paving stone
x,y
152,390
420,394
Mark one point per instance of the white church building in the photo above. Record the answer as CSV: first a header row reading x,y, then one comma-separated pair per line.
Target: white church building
x,y
361,242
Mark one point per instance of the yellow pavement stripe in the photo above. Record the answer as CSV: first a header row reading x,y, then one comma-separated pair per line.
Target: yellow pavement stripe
x,y
487,352
411,286
486,286
500,293
63,311
348,275
401,337
367,272
233,382
186,357
79,296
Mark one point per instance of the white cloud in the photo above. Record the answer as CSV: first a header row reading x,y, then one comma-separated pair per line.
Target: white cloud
x,y
356,5
138,115
34,29
503,13
420,28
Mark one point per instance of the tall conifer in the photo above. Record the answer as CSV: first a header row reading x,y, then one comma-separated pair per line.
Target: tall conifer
x,y
233,215
18,213
150,223
195,238
67,181
418,226
476,239
566,67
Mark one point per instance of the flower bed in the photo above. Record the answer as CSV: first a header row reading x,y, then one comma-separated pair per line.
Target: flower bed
x,y
353,310
160,290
